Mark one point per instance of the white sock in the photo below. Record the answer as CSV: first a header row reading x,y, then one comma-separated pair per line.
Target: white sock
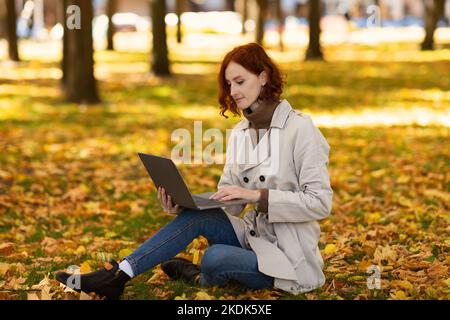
x,y
125,266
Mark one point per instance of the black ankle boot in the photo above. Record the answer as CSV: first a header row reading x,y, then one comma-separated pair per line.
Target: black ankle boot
x,y
181,269
108,281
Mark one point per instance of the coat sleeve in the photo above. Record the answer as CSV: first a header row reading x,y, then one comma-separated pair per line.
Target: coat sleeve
x,y
227,178
313,201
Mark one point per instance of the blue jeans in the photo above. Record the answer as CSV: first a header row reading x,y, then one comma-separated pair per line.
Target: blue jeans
x,y
223,261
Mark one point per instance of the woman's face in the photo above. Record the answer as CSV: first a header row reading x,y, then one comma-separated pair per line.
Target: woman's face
x,y
244,85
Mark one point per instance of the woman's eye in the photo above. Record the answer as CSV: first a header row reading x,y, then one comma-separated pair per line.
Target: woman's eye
x,y
240,82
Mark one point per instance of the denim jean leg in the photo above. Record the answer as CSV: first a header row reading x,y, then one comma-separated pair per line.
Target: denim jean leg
x,y
223,263
213,224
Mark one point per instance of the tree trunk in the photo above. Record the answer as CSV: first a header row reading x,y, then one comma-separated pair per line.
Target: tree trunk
x,y
63,7
80,84
244,15
230,5
314,51
262,14
179,11
280,18
110,10
160,64
434,9
11,21
3,23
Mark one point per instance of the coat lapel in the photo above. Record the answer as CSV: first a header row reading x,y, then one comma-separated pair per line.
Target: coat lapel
x,y
250,156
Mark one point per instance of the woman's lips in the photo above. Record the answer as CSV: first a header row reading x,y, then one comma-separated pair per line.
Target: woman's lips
x,y
240,99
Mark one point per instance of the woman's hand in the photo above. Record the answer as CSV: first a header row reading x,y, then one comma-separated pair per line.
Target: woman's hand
x,y
235,192
166,202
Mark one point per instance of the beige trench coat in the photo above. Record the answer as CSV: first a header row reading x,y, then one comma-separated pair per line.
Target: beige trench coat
x,y
291,161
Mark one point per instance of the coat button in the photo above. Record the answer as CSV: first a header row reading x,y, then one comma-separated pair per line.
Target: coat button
x,y
245,179
262,178
252,233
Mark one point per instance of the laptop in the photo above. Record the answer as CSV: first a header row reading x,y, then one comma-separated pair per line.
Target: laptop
x,y
164,173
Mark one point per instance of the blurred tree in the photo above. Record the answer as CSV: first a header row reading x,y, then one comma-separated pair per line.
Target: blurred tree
x,y
230,5
179,8
78,81
280,18
160,64
434,9
314,51
244,15
11,21
63,6
111,8
260,21
3,33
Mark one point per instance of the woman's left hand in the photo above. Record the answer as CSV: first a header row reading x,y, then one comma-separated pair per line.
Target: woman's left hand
x,y
235,192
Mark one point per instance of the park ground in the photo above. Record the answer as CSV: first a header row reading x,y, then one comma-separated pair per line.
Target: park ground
x,y
73,191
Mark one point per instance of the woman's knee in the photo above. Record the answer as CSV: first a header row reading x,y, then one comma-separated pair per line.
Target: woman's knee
x,y
215,258
189,213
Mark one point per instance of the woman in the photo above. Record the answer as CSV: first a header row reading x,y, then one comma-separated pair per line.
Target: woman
x,y
284,174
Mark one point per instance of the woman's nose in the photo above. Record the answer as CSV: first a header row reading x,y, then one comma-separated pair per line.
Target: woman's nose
x,y
233,91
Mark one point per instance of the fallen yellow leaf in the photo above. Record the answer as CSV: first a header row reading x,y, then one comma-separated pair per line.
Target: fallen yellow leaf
x,y
373,217
363,265
399,295
441,195
403,179
378,173
182,297
405,202
110,234
357,278
386,253
85,296
329,248
80,250
32,296
4,267
404,284
85,267
196,257
201,295
124,252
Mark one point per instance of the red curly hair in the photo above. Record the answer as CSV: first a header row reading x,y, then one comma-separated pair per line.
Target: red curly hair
x,y
254,58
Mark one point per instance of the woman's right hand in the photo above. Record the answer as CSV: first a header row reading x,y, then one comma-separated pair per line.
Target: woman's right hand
x,y
166,202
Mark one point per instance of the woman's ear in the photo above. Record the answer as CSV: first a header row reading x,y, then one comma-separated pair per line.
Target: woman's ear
x,y
263,78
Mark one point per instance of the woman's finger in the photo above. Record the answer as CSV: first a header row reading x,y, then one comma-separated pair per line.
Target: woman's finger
x,y
164,197
219,194
169,201
160,198
229,197
214,195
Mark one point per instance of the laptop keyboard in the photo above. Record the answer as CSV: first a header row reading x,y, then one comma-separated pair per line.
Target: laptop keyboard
x,y
205,202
